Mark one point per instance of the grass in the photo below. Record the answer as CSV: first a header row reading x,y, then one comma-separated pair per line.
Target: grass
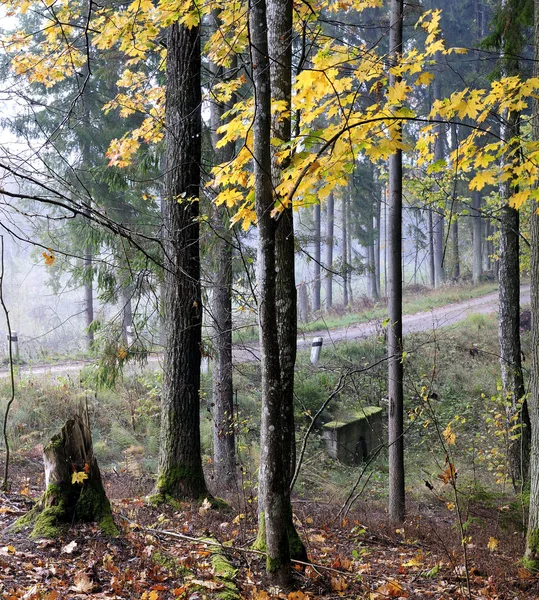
x,y
451,378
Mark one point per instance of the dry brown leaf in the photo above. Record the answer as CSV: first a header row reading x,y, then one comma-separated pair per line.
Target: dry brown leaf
x,y
68,548
82,584
391,589
338,584
207,583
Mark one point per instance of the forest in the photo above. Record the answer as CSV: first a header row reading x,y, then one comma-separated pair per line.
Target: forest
x,y
269,299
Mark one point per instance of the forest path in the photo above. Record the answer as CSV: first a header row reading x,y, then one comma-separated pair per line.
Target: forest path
x,y
442,316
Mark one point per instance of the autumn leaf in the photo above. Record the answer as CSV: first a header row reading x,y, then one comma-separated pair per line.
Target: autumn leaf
x,y
449,435
68,548
492,544
122,353
391,589
338,584
449,474
82,583
49,257
78,477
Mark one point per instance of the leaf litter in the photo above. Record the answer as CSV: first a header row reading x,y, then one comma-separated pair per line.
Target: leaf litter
x,y
166,553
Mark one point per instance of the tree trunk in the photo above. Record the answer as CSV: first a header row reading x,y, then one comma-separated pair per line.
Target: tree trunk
x,y
509,284
345,247
477,238
432,276
224,440
377,229
180,472
330,222
280,33
394,337
273,490
531,559
317,257
89,297
74,491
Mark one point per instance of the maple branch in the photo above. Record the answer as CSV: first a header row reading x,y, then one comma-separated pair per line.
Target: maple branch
x,y
389,119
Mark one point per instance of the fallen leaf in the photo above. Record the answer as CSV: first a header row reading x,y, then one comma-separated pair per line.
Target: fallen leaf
x,y
68,548
492,544
211,585
338,584
204,507
391,589
82,583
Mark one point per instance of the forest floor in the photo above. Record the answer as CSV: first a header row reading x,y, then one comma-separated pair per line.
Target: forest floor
x,y
164,552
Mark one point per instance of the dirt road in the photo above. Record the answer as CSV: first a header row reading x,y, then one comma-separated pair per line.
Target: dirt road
x,y
442,316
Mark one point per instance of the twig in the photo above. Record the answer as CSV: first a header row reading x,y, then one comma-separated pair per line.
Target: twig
x,y
11,370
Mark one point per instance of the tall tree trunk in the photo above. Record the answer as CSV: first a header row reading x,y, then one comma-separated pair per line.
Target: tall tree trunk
x,y
531,559
432,270
180,464
89,296
509,276
394,337
330,226
274,472
345,247
317,257
377,229
224,443
477,238
280,33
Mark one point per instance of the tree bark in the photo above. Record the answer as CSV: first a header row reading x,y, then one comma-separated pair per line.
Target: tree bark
x,y
394,337
180,472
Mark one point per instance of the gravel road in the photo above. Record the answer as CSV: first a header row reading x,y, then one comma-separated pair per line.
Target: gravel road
x,y
442,316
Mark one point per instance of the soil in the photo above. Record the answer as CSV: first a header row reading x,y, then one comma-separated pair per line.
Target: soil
x,y
359,555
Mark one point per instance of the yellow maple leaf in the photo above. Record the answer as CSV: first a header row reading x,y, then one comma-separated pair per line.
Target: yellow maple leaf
x,y
78,477
122,353
492,544
397,92
449,435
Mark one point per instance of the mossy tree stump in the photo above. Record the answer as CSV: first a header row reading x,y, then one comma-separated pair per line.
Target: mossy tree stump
x,y
74,491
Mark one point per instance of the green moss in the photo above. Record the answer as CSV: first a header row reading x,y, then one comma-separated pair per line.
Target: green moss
x,y
260,542
222,567
362,413
273,564
295,545
167,483
169,563
56,441
229,592
108,526
531,559
50,523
